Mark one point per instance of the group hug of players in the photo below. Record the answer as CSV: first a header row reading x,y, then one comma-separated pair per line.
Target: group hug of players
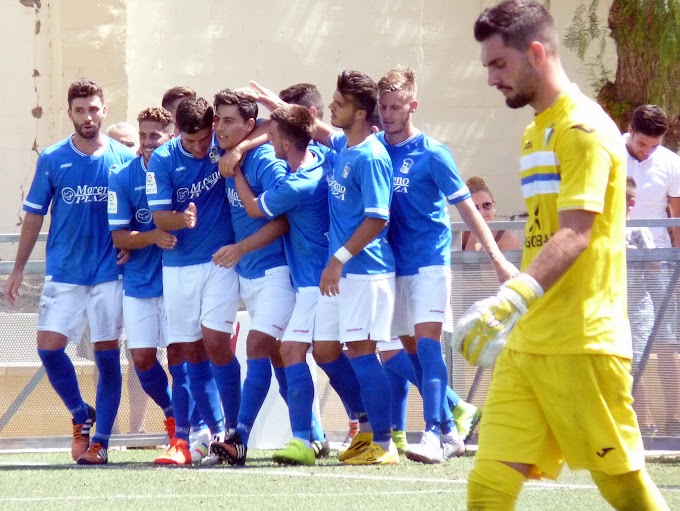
x,y
321,233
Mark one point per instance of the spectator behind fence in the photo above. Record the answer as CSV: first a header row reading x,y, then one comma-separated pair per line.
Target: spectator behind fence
x,y
656,171
486,205
640,308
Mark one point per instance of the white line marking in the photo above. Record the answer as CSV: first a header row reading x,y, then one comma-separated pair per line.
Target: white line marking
x,y
267,495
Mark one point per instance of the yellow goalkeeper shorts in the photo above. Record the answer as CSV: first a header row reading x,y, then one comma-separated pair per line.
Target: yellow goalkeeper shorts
x,y
544,409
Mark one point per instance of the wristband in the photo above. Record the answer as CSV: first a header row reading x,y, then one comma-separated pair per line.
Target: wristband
x,y
342,254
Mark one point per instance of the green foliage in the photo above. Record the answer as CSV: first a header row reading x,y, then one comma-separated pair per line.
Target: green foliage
x,y
587,28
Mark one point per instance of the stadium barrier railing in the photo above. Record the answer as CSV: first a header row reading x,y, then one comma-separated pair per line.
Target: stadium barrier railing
x,y
32,417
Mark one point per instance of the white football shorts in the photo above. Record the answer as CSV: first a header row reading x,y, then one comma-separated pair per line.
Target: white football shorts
x,y
199,295
67,308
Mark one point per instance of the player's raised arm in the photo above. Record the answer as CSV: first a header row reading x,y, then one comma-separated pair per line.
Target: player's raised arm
x,y
478,227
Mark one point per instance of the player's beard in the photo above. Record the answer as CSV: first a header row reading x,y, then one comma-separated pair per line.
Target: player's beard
x,y
525,91
85,134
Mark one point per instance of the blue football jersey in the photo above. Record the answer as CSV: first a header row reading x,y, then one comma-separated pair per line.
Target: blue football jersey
x,y
303,197
79,247
359,187
129,210
425,178
262,170
173,180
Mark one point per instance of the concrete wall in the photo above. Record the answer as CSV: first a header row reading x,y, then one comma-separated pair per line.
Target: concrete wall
x,y
139,48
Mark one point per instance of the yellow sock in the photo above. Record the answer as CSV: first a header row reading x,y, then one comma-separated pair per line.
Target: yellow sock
x,y
493,486
632,491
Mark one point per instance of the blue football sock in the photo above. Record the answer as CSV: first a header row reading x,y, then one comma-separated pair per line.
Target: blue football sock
x,y
344,381
181,399
255,389
317,434
399,387
204,390
418,369
375,393
109,389
434,381
228,379
447,416
195,420
452,398
62,376
155,383
300,399
281,378
401,364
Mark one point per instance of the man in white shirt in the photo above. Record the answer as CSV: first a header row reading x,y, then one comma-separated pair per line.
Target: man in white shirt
x,y
656,171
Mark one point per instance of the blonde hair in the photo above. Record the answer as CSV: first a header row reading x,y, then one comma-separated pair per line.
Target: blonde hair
x,y
399,79
477,184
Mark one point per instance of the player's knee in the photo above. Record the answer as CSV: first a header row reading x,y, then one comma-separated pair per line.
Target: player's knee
x,y
143,359
493,485
259,345
630,491
326,352
293,353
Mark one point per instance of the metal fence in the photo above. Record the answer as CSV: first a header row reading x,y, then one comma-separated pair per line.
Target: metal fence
x,y
32,416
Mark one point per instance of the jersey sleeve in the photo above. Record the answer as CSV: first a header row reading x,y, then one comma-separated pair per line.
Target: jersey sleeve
x,y
158,183
119,207
584,169
278,200
375,182
337,141
40,194
445,175
270,172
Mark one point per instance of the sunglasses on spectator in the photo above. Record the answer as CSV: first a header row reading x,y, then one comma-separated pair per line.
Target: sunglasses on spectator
x,y
486,206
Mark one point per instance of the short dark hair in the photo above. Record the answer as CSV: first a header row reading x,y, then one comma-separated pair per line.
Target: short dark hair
x,y
155,114
650,120
295,123
175,93
247,107
519,23
305,94
84,88
194,115
360,89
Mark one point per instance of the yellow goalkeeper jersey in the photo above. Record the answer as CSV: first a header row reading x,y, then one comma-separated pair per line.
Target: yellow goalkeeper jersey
x,y
573,158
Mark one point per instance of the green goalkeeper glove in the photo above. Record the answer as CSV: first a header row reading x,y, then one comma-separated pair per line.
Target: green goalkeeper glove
x,y
481,332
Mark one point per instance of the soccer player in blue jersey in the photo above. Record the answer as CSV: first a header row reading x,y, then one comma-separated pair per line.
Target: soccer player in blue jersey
x,y
186,198
264,275
132,228
358,281
82,280
200,433
173,97
302,195
425,179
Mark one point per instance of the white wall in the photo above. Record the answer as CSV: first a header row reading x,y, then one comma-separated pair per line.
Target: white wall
x,y
139,48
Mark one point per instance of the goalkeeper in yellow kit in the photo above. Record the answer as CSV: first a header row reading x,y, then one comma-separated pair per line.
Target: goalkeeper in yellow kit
x,y
561,388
